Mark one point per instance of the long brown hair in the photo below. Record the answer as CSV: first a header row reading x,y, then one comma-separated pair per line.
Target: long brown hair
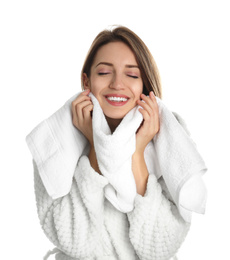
x,y
144,58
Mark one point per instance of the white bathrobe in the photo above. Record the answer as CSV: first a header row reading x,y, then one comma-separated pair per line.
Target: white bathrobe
x,y
78,214
84,225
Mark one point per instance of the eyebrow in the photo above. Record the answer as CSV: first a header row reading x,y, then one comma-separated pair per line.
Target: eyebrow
x,y
104,63
132,66
110,64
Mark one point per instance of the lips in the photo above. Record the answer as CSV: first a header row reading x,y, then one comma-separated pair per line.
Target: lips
x,y
117,99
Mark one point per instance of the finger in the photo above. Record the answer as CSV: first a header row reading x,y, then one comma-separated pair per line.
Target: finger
x,y
152,102
150,115
87,111
85,92
83,96
151,99
80,107
145,114
78,113
150,126
147,100
147,107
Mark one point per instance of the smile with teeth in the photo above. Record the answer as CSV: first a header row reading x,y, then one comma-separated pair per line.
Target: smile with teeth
x,y
117,99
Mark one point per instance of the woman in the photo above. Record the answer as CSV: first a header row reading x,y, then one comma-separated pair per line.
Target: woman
x,y
115,73
121,74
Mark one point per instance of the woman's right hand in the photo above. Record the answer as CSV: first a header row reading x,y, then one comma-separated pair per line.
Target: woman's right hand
x,y
81,115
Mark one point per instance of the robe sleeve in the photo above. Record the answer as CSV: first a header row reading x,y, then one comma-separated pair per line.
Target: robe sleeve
x,y
73,222
156,228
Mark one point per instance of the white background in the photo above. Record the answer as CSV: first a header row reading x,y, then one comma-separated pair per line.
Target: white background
x,y
42,48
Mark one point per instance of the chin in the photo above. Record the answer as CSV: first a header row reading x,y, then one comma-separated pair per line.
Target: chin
x,y
115,116
116,112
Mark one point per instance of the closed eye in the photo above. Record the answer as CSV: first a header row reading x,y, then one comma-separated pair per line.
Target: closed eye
x,y
102,73
133,76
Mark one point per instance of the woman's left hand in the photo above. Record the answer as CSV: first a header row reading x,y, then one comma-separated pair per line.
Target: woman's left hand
x,y
151,123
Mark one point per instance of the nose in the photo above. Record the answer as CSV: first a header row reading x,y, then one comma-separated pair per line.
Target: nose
x,y
117,83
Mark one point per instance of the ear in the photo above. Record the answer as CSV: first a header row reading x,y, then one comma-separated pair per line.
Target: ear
x,y
86,81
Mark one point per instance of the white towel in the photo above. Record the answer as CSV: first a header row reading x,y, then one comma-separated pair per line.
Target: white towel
x,y
114,155
178,161
56,146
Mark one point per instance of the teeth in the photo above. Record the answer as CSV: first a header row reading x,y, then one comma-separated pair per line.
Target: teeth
x,y
117,99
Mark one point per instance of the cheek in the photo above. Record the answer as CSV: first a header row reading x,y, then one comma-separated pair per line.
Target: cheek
x,y
137,90
95,86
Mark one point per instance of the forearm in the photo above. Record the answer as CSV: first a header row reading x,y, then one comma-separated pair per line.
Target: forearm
x,y
140,172
93,159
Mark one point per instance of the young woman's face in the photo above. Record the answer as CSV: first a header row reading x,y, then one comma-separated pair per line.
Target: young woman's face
x,y
115,80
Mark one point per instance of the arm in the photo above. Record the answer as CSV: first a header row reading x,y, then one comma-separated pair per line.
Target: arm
x,y
148,129
74,222
140,172
82,107
156,227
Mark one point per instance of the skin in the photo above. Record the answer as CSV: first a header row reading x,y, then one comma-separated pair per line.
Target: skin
x,y
115,71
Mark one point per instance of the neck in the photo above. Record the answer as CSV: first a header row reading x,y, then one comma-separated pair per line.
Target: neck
x,y
113,123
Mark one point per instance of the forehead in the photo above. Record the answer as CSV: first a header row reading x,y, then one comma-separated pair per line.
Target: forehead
x,y
115,52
